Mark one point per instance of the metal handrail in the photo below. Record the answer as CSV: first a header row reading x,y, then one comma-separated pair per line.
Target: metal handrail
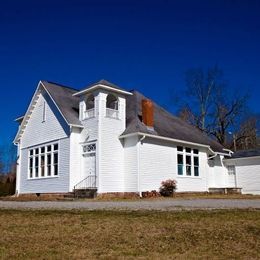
x,y
87,183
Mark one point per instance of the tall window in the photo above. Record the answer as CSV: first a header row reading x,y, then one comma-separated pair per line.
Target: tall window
x,y
188,161
43,161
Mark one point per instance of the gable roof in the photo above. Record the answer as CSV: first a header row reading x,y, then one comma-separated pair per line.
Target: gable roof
x,y
165,124
246,153
65,101
104,84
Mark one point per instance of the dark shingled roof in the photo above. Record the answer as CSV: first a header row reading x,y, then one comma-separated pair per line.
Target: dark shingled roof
x,y
165,124
68,104
246,153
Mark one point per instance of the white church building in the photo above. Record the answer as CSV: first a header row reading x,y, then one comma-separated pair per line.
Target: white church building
x,y
114,141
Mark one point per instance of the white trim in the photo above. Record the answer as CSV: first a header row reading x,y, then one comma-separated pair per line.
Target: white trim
x,y
170,139
241,158
16,139
21,128
84,91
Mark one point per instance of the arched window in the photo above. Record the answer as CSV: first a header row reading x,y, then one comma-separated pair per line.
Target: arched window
x,y
112,102
90,102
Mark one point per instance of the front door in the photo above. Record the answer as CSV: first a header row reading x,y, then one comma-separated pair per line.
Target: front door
x,y
89,165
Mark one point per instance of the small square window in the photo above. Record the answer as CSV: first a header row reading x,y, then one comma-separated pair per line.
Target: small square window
x,y
188,150
56,147
179,148
31,152
42,149
195,151
48,148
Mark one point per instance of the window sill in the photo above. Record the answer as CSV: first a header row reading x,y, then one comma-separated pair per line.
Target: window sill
x,y
189,177
43,178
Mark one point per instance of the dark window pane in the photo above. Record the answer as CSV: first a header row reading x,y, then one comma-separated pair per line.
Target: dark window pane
x,y
36,172
49,148
196,161
49,170
49,159
31,162
31,172
55,158
56,169
196,171
36,161
188,150
56,147
188,159
180,169
31,152
188,170
42,165
43,150
179,148
180,159
196,151
37,151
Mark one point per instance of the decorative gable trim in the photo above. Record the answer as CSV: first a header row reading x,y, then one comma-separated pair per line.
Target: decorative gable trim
x,y
30,109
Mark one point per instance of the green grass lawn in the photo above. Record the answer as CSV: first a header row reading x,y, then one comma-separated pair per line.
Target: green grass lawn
x,y
44,234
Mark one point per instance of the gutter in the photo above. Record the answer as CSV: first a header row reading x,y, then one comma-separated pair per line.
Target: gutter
x,y
242,158
173,140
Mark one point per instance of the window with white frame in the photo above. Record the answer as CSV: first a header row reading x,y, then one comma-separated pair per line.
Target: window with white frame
x,y
187,161
231,169
44,161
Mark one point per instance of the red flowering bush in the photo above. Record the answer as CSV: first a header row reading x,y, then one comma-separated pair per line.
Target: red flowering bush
x,y
168,187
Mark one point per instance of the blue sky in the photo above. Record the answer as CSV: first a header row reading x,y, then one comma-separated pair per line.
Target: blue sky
x,y
144,45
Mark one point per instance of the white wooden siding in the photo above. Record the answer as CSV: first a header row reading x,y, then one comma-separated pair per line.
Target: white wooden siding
x,y
47,185
218,175
131,171
75,157
247,174
158,162
37,131
111,150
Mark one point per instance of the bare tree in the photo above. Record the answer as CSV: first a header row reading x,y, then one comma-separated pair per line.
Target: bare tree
x,y
201,90
210,105
226,116
246,137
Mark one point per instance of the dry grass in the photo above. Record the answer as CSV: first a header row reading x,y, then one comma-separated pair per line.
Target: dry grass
x,y
176,196
118,234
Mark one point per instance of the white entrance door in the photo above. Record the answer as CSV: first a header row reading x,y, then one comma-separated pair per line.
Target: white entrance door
x,y
89,166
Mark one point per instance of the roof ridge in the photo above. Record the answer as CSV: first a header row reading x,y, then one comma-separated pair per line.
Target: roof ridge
x,y
59,85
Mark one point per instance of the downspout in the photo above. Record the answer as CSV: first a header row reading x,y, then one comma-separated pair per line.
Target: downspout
x,y
138,165
213,156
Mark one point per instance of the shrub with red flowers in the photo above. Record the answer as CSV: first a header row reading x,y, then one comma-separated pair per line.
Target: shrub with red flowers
x,y
168,187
